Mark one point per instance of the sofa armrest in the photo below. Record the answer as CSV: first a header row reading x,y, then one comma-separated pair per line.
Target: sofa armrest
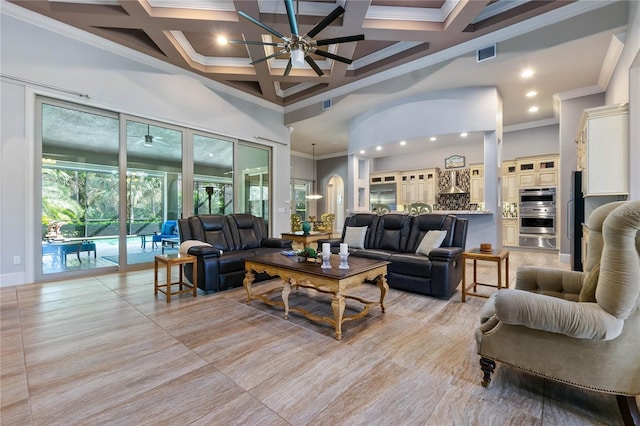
x,y
276,243
540,279
445,253
204,251
547,313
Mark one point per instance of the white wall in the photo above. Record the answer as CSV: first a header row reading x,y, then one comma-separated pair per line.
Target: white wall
x,y
114,82
534,141
625,87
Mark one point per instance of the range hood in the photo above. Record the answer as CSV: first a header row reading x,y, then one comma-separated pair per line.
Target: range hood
x,y
453,189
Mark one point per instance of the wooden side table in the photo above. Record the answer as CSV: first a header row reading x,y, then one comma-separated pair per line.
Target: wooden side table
x,y
305,239
489,256
175,259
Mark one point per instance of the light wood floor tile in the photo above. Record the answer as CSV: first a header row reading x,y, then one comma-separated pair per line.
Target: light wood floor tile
x,y
105,350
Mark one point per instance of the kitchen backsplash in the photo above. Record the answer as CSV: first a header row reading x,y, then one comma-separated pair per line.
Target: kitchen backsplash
x,y
453,201
509,210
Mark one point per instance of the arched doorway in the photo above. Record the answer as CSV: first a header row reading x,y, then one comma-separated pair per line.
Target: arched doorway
x,y
335,201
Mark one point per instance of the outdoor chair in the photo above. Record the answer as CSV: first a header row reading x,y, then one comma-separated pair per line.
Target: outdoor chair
x,y
169,230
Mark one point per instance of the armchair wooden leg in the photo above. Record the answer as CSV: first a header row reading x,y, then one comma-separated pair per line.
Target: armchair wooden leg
x,y
629,410
488,366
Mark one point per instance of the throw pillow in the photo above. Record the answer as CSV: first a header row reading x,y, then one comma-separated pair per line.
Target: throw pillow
x,y
431,240
354,236
186,245
588,290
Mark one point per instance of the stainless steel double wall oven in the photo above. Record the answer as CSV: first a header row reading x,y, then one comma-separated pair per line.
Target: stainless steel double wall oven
x,y
537,217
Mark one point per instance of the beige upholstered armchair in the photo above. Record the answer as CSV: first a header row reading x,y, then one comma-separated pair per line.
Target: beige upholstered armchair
x,y
563,329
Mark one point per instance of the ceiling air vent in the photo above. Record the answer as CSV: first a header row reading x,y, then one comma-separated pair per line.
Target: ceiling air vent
x,y
326,104
486,53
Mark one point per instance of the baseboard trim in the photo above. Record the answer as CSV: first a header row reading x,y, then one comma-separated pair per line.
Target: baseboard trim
x,y
16,278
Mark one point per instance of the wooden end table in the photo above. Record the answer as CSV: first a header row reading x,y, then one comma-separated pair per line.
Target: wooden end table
x,y
475,254
170,260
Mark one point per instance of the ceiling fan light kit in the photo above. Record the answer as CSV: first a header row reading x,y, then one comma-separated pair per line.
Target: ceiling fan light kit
x,y
299,47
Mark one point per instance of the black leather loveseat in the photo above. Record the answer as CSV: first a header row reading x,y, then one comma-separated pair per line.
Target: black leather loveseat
x,y
232,238
396,237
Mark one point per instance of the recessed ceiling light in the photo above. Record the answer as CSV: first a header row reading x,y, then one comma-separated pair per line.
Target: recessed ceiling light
x,y
432,138
534,109
526,73
464,134
403,143
531,93
222,40
362,151
378,148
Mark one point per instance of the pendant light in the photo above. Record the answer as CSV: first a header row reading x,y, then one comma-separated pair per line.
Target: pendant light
x,y
314,195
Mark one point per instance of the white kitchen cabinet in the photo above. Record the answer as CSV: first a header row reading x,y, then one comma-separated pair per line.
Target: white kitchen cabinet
x,y
417,186
476,191
510,232
387,177
603,150
509,182
537,171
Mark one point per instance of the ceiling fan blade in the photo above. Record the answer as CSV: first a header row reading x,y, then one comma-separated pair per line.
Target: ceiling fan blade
x,y
326,21
337,40
281,52
313,65
261,25
287,70
288,4
257,43
332,56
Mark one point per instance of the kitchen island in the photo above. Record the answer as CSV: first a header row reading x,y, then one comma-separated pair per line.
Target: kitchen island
x,y
482,226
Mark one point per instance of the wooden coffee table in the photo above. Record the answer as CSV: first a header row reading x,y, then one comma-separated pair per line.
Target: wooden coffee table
x,y
333,281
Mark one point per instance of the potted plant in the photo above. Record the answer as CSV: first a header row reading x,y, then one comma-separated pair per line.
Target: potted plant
x,y
307,253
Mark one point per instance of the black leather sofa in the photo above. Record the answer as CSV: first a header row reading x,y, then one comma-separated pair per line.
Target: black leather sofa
x,y
396,237
232,239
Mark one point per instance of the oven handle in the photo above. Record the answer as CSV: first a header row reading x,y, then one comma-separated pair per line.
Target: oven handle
x,y
569,220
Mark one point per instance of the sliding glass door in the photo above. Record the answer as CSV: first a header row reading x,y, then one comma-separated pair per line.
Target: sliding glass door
x,y
213,175
253,169
78,187
154,189
111,187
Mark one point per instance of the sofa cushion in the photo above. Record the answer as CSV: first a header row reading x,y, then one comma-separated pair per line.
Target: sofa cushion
x,y
410,264
588,290
392,232
245,231
214,230
233,261
432,239
372,254
354,236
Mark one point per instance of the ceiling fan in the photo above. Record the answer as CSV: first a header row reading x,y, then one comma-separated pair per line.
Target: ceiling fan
x,y
299,47
148,139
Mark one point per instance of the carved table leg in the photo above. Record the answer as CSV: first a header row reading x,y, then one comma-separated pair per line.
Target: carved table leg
x,y
248,279
384,288
286,291
337,304
629,410
487,365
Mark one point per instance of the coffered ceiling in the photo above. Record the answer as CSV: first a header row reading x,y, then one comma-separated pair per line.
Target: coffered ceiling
x,y
410,47
184,33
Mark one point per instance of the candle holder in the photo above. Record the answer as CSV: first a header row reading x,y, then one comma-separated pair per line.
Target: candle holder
x,y
326,260
343,261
